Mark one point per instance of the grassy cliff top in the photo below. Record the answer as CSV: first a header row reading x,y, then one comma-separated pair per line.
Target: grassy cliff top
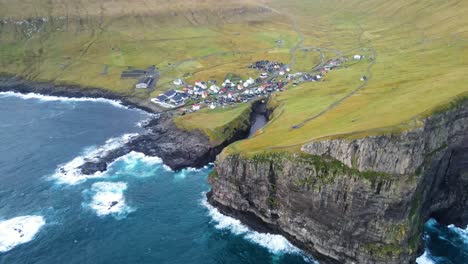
x,y
218,124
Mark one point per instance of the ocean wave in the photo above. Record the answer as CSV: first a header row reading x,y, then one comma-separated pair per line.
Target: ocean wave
x,y
425,259
108,199
51,98
462,233
136,164
182,174
70,173
19,230
275,244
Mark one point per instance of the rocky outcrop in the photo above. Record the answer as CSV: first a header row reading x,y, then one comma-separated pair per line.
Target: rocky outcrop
x,y
178,148
354,201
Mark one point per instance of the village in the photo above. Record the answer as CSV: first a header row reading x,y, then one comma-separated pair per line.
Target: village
x,y
273,77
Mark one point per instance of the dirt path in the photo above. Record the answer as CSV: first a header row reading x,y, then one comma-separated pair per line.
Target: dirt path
x,y
369,76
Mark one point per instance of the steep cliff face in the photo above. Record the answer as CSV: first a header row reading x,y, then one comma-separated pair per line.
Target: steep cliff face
x,y
355,201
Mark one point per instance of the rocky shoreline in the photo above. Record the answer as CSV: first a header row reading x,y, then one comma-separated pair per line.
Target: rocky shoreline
x,y
15,84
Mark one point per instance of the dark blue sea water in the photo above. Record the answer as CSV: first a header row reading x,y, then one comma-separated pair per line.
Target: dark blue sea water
x,y
137,212
47,216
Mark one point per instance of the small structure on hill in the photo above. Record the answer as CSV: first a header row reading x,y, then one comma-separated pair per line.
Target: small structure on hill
x,y
132,74
144,83
357,57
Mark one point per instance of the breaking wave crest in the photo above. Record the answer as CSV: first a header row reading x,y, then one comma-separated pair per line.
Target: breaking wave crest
x,y
276,244
136,164
463,233
425,259
49,98
108,199
182,174
70,173
19,230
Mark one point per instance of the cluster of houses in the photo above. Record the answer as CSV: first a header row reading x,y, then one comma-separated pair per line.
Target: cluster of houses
x,y
270,68
274,77
209,94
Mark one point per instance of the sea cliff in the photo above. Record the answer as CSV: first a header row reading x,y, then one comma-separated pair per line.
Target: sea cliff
x,y
354,200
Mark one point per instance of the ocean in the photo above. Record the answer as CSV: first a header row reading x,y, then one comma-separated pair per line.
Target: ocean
x,y
139,211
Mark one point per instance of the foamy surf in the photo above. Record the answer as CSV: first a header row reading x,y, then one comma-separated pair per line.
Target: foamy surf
x,y
275,244
136,164
70,173
108,199
425,259
182,174
463,233
19,230
51,98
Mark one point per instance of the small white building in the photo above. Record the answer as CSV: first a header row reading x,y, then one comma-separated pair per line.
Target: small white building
x,y
249,82
357,57
214,89
178,82
201,84
144,83
196,107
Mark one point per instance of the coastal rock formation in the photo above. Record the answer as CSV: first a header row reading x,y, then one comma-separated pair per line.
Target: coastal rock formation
x,y
354,201
178,148
15,84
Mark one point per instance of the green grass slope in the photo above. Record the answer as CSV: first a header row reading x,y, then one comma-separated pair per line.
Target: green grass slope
x,y
89,42
420,56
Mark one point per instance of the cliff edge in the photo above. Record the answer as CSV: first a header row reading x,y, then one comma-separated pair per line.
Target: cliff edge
x,y
354,200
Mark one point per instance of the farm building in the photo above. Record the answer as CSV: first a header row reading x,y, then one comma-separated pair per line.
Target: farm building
x,y
144,83
132,74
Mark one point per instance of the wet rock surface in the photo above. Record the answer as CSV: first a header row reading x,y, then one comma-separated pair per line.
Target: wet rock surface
x,y
177,148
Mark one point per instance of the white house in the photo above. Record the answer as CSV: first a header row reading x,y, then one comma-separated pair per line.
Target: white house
x,y
201,85
357,57
214,88
178,82
144,83
196,107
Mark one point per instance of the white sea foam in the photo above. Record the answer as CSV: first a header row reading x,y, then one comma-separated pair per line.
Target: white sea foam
x,y
276,244
425,259
70,174
19,230
50,98
138,164
463,233
108,199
